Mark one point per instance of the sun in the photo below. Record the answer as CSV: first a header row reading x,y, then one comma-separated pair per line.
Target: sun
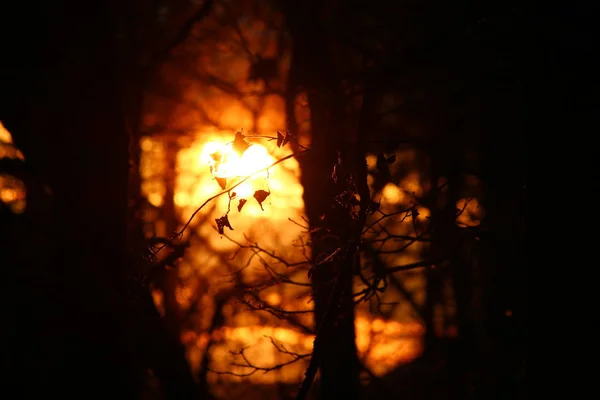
x,y
225,162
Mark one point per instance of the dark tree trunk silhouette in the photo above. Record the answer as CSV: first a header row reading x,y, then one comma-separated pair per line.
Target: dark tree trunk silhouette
x,y
333,229
65,119
504,250
79,325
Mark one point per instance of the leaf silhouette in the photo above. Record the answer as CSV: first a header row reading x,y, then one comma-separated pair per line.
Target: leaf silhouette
x,y
239,144
241,204
260,196
283,140
289,137
222,223
222,182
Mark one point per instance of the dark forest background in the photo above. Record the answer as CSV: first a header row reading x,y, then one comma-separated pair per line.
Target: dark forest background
x,y
75,79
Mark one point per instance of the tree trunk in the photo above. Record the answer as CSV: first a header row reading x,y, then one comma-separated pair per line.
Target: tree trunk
x,y
333,229
78,329
504,253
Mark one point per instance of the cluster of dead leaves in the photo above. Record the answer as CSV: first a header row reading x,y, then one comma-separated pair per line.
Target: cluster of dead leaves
x,y
223,222
240,145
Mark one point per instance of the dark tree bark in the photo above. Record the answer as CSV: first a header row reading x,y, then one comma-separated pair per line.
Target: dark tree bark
x,y
504,251
60,101
79,326
334,231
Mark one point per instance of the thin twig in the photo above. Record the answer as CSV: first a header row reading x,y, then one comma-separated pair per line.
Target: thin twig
x,y
227,191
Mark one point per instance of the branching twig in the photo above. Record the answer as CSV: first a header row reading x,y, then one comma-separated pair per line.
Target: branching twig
x,y
415,265
295,357
180,233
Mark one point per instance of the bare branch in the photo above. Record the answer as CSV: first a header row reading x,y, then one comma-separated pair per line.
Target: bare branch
x,y
227,191
254,368
418,264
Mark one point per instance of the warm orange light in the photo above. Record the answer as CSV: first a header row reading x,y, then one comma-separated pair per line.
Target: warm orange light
x,y
382,345
5,135
225,162
8,195
254,159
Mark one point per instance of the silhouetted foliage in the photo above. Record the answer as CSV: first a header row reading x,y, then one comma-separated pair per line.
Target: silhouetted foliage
x,y
404,124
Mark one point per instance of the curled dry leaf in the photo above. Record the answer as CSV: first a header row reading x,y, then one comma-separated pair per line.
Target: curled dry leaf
x,y
222,182
239,144
260,196
241,204
282,139
222,223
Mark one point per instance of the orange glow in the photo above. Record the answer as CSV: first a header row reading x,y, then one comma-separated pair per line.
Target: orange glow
x,y
152,165
7,147
12,189
199,132
225,162
12,193
470,212
159,301
8,195
5,135
207,266
211,155
392,194
382,345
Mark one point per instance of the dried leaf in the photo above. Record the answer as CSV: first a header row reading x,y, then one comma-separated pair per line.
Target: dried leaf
x,y
222,182
260,196
280,139
289,137
241,204
222,223
239,144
